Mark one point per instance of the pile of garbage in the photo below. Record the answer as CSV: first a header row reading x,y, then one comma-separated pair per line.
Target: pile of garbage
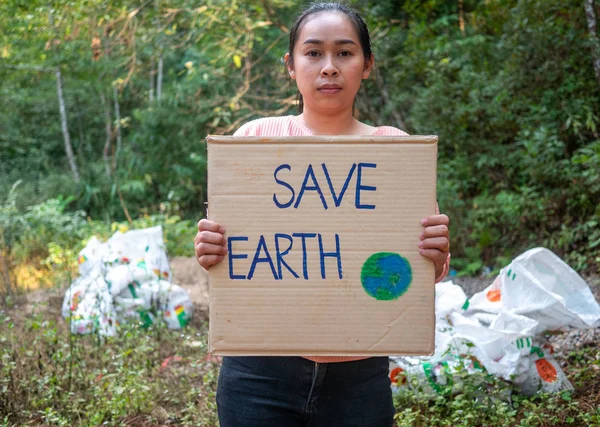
x,y
501,330
125,279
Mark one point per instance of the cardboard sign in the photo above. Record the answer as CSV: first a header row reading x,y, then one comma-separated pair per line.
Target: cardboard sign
x,y
322,235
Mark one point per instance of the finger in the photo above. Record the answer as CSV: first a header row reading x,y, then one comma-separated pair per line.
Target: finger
x,y
210,237
208,225
208,261
435,231
438,257
210,249
436,220
440,243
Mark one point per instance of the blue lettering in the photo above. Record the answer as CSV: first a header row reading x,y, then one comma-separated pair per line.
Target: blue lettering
x,y
262,245
310,173
338,199
304,236
360,187
286,185
231,256
280,254
337,254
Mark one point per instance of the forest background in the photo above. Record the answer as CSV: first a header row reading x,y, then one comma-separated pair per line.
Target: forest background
x,y
106,104
104,107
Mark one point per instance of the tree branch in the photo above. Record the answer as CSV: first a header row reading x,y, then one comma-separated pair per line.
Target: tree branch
x,y
590,15
28,68
273,17
461,17
65,130
118,127
106,151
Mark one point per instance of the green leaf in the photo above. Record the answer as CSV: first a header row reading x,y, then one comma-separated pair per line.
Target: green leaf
x,y
566,395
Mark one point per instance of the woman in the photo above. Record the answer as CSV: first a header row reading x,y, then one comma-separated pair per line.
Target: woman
x,y
329,56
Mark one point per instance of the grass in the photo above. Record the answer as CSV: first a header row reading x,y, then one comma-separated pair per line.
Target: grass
x,y
486,401
141,377
161,377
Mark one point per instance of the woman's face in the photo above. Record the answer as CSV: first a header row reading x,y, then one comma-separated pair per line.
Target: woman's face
x,y
328,62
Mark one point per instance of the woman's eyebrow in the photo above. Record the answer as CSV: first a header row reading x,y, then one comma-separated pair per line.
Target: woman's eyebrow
x,y
337,42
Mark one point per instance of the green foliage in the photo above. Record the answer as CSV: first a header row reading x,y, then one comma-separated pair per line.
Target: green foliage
x,y
478,399
52,377
29,232
158,376
43,234
508,86
48,237
178,233
210,55
515,103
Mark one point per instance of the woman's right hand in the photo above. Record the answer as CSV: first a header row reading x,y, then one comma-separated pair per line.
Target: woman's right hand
x,y
210,243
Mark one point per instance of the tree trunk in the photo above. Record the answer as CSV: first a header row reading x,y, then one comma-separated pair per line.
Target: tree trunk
x,y
461,17
151,93
4,267
108,128
5,274
118,126
159,79
590,14
160,56
65,130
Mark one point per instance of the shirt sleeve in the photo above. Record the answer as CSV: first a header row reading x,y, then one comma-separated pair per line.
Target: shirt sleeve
x,y
251,128
390,131
246,129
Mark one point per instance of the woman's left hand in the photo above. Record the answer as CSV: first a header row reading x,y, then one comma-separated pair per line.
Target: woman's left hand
x,y
435,241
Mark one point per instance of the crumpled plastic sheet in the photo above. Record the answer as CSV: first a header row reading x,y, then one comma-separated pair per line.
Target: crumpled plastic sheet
x,y
125,279
500,330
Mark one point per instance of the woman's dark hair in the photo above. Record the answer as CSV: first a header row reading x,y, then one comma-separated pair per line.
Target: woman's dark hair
x,y
355,18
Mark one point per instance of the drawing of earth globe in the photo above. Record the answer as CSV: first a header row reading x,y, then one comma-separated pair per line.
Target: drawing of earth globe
x,y
386,275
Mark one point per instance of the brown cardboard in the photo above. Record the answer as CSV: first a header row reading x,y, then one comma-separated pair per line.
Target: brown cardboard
x,y
331,316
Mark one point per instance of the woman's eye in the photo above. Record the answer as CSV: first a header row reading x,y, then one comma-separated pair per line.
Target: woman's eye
x,y
313,53
345,53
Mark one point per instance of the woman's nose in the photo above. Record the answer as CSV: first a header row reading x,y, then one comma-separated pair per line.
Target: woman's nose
x,y
329,69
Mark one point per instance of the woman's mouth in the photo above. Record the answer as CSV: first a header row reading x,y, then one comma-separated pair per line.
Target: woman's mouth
x,y
329,88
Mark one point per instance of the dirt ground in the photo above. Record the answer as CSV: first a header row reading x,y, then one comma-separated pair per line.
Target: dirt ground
x,y
188,274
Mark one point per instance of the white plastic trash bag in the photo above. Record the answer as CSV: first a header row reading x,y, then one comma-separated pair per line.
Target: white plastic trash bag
x,y
430,377
133,310
90,256
118,278
140,272
93,311
90,283
122,280
179,307
541,286
146,244
541,373
499,329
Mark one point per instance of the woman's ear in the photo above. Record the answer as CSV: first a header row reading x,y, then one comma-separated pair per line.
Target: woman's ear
x,y
288,64
368,67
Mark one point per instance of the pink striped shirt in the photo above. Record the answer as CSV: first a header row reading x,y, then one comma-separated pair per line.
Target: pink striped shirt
x,y
291,126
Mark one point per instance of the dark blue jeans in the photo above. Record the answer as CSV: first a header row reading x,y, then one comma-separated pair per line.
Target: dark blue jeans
x,y
293,391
